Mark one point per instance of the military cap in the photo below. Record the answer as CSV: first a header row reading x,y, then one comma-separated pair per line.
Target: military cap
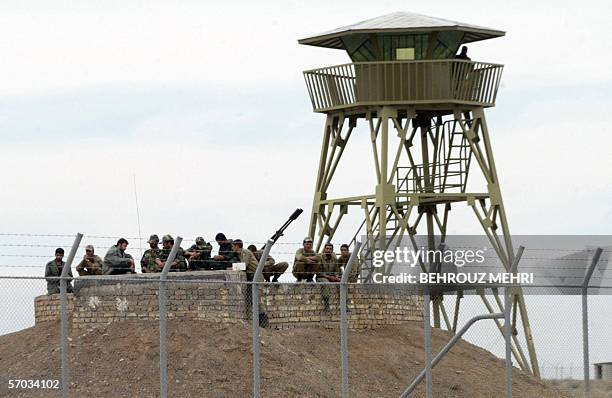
x,y
200,241
89,247
307,239
153,238
167,238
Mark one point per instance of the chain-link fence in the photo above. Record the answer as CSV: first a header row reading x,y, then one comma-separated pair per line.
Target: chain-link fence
x,y
198,333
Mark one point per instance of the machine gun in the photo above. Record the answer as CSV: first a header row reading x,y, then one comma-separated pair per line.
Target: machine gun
x,y
282,229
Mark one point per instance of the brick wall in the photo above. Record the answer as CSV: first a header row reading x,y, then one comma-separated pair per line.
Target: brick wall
x,y
97,301
47,308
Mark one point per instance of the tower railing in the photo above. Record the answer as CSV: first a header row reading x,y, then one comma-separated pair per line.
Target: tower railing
x,y
426,82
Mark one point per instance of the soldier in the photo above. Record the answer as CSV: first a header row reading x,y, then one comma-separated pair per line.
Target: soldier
x,y
179,264
463,54
117,261
54,269
245,256
248,258
271,268
147,262
329,271
226,255
199,255
306,262
91,263
344,258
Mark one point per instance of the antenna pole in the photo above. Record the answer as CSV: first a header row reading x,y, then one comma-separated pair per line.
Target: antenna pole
x,y
137,216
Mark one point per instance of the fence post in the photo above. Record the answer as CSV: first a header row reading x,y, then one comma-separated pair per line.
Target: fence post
x,y
585,321
507,322
451,343
64,315
344,318
255,318
427,332
163,353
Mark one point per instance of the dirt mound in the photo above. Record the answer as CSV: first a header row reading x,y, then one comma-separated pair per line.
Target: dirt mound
x,y
214,360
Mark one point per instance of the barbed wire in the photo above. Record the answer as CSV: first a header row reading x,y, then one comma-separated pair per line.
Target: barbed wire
x,y
144,238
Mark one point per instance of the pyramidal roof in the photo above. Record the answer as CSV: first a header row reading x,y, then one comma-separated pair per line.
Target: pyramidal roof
x,y
400,22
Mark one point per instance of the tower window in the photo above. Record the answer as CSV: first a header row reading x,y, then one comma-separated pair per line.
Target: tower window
x,y
404,54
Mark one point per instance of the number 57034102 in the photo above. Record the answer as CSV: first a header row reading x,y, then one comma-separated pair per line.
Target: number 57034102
x,y
29,384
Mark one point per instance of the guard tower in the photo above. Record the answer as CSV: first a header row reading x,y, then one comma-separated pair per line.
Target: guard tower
x,y
423,110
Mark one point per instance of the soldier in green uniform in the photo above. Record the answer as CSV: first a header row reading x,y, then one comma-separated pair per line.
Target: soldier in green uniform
x,y
199,255
271,267
179,264
245,256
91,263
248,258
117,261
147,262
306,262
329,271
344,258
226,256
53,269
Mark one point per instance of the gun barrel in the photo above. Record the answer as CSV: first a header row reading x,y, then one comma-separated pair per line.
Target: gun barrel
x,y
292,218
295,214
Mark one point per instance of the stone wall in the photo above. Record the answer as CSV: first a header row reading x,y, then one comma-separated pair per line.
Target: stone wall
x,y
222,296
47,308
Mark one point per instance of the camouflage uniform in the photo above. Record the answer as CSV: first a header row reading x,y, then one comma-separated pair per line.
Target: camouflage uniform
x,y
91,267
117,262
52,269
271,267
181,264
203,250
303,269
147,262
229,256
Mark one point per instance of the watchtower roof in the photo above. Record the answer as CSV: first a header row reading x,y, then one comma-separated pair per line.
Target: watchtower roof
x,y
404,22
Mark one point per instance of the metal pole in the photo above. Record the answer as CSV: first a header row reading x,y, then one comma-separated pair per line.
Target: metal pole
x,y
447,348
255,318
507,322
507,337
163,353
64,315
344,318
427,324
585,321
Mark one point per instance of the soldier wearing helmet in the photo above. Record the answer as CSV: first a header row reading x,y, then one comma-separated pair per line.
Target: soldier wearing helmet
x,y
199,255
179,264
147,263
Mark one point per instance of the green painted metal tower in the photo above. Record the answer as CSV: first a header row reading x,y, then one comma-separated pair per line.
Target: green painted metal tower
x,y
422,107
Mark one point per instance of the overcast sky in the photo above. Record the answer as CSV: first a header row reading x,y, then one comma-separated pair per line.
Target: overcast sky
x,y
204,104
